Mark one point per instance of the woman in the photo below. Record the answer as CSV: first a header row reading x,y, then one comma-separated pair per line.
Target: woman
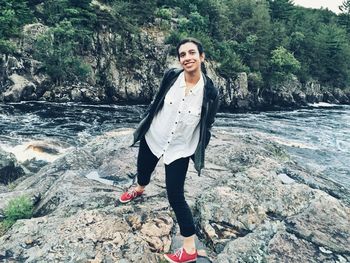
x,y
177,126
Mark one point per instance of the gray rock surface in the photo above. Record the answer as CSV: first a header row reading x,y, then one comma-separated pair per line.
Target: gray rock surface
x,y
22,89
251,204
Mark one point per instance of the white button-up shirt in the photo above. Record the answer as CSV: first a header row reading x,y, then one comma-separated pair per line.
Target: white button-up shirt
x,y
174,132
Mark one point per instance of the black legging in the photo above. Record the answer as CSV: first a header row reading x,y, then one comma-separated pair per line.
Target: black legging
x,y
175,175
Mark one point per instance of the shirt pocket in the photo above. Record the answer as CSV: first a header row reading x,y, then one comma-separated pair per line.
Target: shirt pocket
x,y
192,116
169,100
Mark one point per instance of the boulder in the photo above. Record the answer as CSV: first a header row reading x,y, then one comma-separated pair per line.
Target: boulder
x,y
313,92
22,89
329,98
300,97
340,96
10,170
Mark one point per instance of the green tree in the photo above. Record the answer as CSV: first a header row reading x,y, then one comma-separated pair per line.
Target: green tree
x,y
281,9
283,64
331,54
345,14
57,49
13,15
231,63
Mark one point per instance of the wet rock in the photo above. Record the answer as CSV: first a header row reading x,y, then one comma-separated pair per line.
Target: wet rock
x,y
10,170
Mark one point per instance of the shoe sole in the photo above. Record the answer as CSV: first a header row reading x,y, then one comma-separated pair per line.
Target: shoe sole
x,y
172,261
124,202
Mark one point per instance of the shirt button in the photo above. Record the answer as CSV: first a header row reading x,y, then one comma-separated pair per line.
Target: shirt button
x,y
171,102
175,122
189,111
183,99
179,111
168,142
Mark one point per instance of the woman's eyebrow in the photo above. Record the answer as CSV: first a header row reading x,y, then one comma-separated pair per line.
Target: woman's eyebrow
x,y
190,50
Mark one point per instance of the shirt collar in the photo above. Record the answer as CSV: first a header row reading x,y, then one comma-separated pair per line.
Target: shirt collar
x,y
199,85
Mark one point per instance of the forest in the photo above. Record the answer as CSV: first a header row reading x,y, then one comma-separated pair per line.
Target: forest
x,y
272,40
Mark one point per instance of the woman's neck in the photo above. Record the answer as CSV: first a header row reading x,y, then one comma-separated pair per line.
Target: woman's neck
x,y
192,78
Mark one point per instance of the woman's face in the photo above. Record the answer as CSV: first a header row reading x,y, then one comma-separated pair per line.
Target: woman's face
x,y
189,57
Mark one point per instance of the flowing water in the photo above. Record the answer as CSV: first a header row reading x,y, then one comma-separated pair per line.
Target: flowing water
x,y
318,137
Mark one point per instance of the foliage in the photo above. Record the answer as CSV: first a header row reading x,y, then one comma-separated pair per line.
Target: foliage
x,y
345,15
283,64
269,39
13,14
18,208
333,53
280,9
56,49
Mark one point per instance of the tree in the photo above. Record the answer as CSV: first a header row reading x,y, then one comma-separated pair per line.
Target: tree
x,y
345,15
331,54
13,15
283,64
57,50
281,9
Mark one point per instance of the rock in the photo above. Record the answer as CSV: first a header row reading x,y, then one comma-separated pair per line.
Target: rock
x,y
22,89
10,170
340,96
300,97
328,97
235,92
76,95
313,92
251,204
30,34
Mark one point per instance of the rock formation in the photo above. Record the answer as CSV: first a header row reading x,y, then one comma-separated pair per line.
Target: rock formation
x,y
253,203
136,80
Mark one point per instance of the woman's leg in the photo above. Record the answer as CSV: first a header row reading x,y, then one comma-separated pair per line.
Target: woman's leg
x,y
146,163
175,180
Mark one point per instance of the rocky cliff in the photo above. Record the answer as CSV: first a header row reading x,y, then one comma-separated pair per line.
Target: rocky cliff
x,y
253,203
112,81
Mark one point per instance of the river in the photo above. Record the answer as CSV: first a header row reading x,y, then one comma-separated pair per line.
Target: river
x,y
317,137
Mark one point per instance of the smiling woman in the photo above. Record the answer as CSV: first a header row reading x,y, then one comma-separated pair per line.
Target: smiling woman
x,y
177,128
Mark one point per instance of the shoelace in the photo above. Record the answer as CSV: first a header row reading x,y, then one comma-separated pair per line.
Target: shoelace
x,y
132,192
178,253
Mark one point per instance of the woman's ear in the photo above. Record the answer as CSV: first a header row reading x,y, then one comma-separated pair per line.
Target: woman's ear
x,y
202,57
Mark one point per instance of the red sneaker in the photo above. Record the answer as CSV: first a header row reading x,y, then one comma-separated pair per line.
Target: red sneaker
x,y
129,195
181,256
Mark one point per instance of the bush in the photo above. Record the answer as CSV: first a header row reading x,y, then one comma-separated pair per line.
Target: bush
x,y
18,208
58,49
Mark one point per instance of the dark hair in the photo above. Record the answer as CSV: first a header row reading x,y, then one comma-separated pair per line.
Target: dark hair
x,y
192,40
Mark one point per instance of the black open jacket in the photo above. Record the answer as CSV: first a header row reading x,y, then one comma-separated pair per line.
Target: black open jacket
x,y
210,106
